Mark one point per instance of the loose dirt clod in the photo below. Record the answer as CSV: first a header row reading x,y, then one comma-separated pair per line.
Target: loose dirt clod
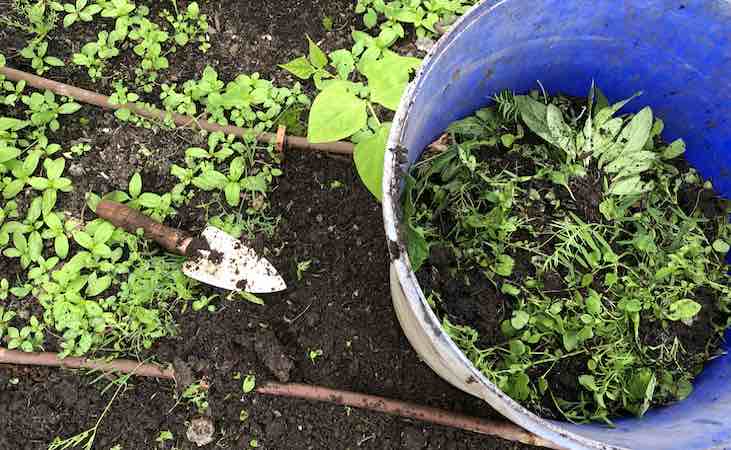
x,y
271,353
183,374
201,431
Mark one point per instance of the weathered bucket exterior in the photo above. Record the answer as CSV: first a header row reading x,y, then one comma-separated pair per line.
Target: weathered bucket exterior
x,y
679,54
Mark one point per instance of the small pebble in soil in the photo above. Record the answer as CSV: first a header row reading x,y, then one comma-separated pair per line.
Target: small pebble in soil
x,y
183,374
201,431
76,170
424,44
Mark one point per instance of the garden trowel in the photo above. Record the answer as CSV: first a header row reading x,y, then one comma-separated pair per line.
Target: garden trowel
x,y
214,258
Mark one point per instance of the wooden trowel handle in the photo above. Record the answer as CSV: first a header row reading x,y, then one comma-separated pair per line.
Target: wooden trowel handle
x,y
174,241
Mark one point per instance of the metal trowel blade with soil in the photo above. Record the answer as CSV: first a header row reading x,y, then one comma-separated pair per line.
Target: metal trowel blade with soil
x,y
229,264
214,258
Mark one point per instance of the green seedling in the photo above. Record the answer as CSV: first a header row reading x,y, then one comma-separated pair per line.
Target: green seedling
x,y
189,26
249,383
81,10
197,395
27,338
302,267
22,171
164,436
117,8
314,354
327,23
45,110
52,183
39,61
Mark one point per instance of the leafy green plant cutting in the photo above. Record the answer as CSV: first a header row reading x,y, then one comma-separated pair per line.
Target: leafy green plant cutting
x,y
570,255
369,74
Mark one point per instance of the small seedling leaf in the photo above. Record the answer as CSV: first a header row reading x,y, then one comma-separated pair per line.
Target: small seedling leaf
x,y
299,67
249,383
720,246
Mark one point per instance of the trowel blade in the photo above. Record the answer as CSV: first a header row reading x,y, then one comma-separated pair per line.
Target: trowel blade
x,y
232,265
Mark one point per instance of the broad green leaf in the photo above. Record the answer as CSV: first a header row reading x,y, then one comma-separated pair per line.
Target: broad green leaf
x,y
504,265
210,180
562,135
370,19
368,157
54,168
69,20
336,114
627,186
53,61
35,246
417,246
39,183
135,185
193,9
388,77
149,200
684,309
588,382
317,57
675,149
299,67
69,108
255,183
196,152
83,239
97,285
720,246
8,153
232,193
519,320
343,62
533,114
103,233
9,123
13,188
236,168
53,221
594,303
61,246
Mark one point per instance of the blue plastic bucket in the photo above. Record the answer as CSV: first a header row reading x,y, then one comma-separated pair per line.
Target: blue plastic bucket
x,y
679,54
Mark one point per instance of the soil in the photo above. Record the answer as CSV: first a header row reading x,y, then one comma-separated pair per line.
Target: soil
x,y
341,306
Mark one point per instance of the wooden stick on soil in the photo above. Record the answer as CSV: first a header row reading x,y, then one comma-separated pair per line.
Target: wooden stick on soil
x,y
93,98
502,429
117,365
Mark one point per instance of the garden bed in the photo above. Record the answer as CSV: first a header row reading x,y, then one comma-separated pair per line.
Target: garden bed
x,y
335,323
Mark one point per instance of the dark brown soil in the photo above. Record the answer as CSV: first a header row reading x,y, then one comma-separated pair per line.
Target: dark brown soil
x,y
341,306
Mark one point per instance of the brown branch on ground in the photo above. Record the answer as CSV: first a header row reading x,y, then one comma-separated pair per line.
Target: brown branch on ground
x,y
93,98
53,360
502,429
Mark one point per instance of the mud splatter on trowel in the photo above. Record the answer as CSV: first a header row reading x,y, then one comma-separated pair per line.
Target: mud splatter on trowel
x,y
214,258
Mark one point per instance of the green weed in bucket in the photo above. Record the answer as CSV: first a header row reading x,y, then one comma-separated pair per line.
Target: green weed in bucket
x,y
572,255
